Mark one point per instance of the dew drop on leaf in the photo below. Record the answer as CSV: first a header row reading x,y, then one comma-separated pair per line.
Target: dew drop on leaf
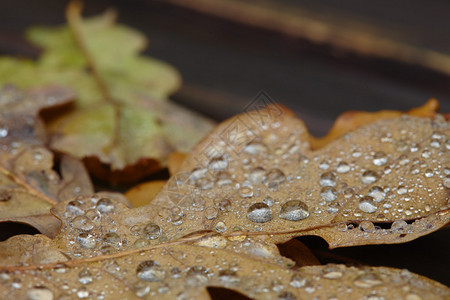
x,y
257,175
369,177
343,167
328,193
446,181
294,210
105,205
112,239
39,293
86,240
218,164
377,193
328,179
255,148
85,276
379,158
399,225
369,280
211,212
259,213
82,223
152,231
367,226
75,207
367,204
297,281
150,270
221,227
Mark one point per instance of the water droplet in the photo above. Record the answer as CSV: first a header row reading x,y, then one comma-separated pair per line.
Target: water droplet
x,y
82,223
152,231
255,148
223,178
196,275
259,213
3,131
274,178
434,143
328,179
85,276
135,230
446,181
324,165
367,226
257,175
211,212
75,207
343,167
150,270
93,215
218,163
328,193
369,177
82,293
112,239
141,289
297,281
39,293
403,160
348,193
367,204
332,271
105,205
221,227
379,158
177,220
246,191
86,240
294,210
367,281
140,243
429,173
228,276
342,227
377,193
269,201
398,225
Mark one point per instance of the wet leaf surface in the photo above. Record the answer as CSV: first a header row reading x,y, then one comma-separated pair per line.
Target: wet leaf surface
x,y
29,186
386,182
92,258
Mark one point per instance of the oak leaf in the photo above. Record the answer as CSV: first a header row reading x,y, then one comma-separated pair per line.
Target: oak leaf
x,y
122,124
98,253
29,186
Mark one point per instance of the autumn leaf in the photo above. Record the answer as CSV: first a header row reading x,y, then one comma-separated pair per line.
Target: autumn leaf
x,y
29,186
98,253
385,182
122,123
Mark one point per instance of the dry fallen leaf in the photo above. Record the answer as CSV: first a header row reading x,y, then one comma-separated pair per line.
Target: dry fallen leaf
x,y
122,123
99,253
29,186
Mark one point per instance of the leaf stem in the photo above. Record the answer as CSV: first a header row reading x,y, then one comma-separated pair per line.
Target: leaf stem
x,y
28,187
73,15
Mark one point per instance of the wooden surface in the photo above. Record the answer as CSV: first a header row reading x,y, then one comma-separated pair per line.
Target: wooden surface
x,y
226,60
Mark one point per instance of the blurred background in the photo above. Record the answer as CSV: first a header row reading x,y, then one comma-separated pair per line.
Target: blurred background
x,y
319,58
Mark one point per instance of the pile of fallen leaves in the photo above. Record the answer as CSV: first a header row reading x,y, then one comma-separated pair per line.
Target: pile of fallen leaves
x,y
255,181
